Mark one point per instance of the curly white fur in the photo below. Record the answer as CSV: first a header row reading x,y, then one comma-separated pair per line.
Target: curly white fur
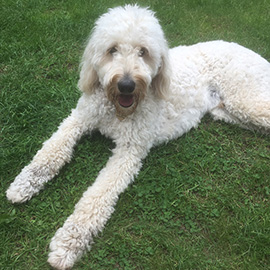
x,y
165,94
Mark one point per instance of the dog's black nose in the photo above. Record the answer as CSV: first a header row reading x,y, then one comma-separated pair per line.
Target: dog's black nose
x,y
126,85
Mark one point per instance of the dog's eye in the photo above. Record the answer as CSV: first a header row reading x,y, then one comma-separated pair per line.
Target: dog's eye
x,y
112,50
142,52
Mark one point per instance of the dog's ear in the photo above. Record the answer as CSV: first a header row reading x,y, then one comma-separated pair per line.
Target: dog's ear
x,y
161,82
88,81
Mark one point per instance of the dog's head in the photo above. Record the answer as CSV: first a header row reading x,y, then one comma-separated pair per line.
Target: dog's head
x,y
127,56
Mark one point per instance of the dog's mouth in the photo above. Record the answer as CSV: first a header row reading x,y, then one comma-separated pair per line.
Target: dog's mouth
x,y
126,100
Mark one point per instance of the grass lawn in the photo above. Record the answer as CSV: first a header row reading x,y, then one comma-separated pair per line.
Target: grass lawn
x,y
200,202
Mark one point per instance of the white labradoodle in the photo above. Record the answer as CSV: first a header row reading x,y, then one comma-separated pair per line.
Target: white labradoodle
x,y
139,93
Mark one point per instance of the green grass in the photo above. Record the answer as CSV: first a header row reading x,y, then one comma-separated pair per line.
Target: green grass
x,y
200,202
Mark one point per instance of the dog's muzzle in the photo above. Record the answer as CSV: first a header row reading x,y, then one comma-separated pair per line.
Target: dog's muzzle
x,y
126,87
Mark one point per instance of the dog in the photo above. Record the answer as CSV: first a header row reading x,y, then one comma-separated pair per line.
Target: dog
x,y
139,93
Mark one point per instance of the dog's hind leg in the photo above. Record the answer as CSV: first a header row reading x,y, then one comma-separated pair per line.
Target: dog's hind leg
x,y
220,113
248,111
241,78
47,162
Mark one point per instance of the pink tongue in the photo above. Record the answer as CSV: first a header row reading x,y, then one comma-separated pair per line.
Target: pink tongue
x,y
125,100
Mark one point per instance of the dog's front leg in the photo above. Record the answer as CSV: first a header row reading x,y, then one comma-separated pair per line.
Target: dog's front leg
x,y
49,159
95,207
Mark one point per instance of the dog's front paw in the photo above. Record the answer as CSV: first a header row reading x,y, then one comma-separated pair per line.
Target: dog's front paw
x,y
29,182
68,245
21,189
